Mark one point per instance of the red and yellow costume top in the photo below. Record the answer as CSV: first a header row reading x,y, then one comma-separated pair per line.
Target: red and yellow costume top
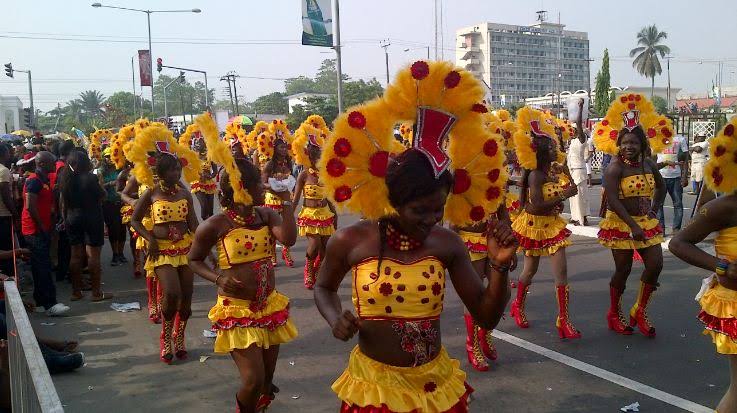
x,y
543,235
207,186
315,220
404,294
719,303
614,233
263,321
172,251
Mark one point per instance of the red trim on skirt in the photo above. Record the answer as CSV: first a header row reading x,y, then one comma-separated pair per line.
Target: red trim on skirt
x,y
460,407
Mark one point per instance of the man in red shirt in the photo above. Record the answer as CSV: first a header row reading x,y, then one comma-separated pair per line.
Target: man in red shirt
x,y
36,225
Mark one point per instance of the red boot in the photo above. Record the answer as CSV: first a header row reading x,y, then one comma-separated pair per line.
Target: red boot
x,y
287,257
165,341
153,299
317,263
614,317
487,344
180,325
638,312
473,349
309,273
517,309
565,328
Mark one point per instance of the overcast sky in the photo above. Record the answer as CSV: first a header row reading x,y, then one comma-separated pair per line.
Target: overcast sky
x,y
105,40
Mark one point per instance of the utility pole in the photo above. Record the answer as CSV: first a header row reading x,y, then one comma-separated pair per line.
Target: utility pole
x,y
435,15
230,77
385,44
9,72
133,79
230,93
338,63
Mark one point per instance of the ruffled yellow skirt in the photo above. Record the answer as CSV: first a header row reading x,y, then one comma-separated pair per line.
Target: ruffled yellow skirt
x,y
719,315
434,387
272,201
316,221
512,202
615,233
126,212
540,235
475,244
238,327
208,187
170,253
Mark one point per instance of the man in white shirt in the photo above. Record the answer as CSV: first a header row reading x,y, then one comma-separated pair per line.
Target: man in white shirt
x,y
699,156
674,170
576,160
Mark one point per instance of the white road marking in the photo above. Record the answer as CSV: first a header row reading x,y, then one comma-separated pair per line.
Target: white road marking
x,y
605,374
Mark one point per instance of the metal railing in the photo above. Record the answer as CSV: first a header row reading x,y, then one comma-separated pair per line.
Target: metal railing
x,y
31,388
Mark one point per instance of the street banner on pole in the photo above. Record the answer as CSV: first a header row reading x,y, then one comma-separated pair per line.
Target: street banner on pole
x,y
317,23
144,67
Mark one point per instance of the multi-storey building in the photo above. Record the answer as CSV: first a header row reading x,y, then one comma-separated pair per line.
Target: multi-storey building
x,y
518,62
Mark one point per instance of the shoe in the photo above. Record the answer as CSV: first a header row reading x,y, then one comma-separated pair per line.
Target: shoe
x,y
165,347
63,363
122,259
562,323
309,273
487,343
614,317
473,349
287,257
114,262
57,310
178,337
638,312
517,310
153,309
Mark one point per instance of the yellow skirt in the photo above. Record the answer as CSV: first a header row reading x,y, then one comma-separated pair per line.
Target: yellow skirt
x,y
141,243
316,221
540,235
433,387
475,243
208,187
615,234
512,202
126,212
170,253
238,327
719,315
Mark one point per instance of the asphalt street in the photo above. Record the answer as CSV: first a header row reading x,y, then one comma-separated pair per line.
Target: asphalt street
x,y
123,373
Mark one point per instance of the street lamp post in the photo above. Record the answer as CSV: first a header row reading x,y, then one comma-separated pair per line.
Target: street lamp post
x,y
421,47
148,21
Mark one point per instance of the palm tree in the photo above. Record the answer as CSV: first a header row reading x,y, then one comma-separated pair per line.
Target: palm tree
x,y
92,104
647,51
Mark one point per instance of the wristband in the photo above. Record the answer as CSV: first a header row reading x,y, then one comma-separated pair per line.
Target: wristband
x,y
287,203
721,268
217,278
499,268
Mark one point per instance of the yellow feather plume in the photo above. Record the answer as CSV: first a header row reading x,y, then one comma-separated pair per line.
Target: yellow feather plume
x,y
185,139
301,139
720,171
523,144
145,142
117,155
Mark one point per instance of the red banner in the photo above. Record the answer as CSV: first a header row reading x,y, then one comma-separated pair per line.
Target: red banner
x,y
144,66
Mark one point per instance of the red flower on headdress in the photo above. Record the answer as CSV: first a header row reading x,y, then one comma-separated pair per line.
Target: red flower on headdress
x,y
493,193
613,135
477,213
343,193
631,97
623,99
729,130
631,106
274,121
720,150
151,161
461,181
335,167
420,69
600,131
493,175
356,120
717,175
604,122
667,132
637,98
452,79
378,163
478,107
662,122
651,132
183,162
491,147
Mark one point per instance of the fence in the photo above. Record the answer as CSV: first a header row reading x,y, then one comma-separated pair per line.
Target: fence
x,y
31,388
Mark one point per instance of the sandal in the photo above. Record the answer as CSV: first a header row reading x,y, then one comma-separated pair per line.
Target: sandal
x,y
101,297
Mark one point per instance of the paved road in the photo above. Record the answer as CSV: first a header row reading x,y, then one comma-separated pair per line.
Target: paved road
x,y
123,373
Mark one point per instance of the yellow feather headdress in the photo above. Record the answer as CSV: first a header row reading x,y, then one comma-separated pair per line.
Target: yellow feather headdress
x,y
265,144
119,145
219,152
99,138
252,136
302,139
318,122
629,111
185,139
147,141
356,156
531,121
720,171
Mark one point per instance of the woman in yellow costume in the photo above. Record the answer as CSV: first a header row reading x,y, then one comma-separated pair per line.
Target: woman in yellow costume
x,y
398,255
634,189
539,227
317,220
174,220
117,157
251,318
718,295
204,187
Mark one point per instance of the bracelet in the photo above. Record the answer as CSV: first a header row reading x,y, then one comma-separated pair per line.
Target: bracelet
x,y
287,203
217,278
721,268
499,268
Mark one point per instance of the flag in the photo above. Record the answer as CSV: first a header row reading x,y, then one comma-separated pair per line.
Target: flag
x,y
144,67
317,23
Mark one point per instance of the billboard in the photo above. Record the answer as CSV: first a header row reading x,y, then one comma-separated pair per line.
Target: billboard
x,y
317,23
144,67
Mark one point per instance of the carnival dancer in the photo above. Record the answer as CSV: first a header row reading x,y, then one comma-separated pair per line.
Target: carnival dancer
x,y
317,219
251,318
398,256
718,295
117,157
174,220
539,227
634,191
273,151
204,187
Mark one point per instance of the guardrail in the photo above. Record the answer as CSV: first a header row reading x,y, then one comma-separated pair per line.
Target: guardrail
x,y
31,388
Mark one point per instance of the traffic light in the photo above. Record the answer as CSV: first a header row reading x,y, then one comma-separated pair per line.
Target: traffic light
x,y
181,77
159,62
27,117
9,70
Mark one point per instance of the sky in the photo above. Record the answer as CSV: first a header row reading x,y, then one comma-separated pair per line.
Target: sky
x,y
260,40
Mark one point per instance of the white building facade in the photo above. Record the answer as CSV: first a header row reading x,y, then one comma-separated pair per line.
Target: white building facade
x,y
11,114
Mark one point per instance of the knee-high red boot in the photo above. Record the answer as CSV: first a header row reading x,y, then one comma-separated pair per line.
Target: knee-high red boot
x,y
287,256
487,343
638,312
309,273
165,341
517,309
153,299
180,324
565,328
473,349
614,317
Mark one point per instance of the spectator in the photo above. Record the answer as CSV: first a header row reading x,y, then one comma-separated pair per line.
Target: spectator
x,y
111,209
699,156
81,201
64,250
8,212
576,158
589,159
36,224
674,169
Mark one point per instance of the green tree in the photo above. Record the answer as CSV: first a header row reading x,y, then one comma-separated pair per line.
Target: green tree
x,y
360,91
273,103
299,84
661,105
646,61
602,94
